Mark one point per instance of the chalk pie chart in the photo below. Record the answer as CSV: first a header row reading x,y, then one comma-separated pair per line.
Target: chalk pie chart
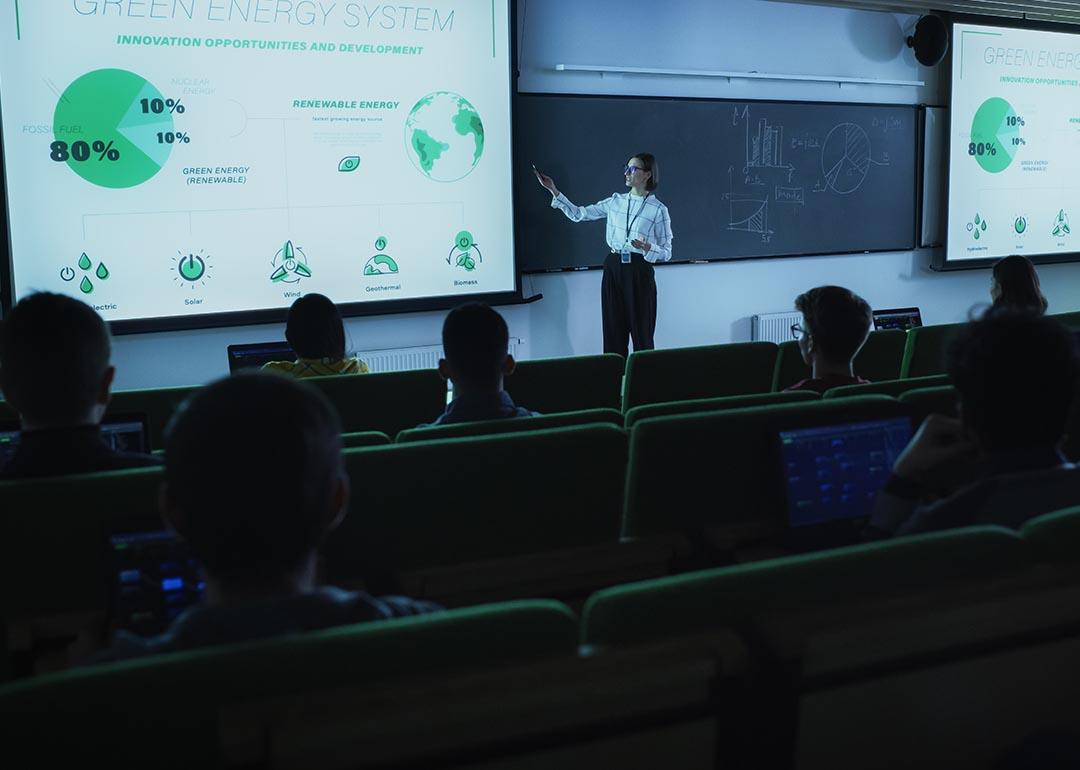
x,y
995,135
106,128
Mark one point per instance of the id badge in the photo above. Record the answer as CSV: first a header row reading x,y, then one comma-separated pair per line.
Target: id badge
x,y
624,255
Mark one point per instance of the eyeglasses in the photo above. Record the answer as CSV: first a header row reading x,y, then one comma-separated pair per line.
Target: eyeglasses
x,y
797,331
629,170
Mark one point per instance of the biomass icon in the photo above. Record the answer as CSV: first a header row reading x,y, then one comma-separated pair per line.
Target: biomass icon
x,y
465,253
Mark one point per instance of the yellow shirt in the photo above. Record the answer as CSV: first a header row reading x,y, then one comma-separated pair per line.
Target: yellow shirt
x,y
316,367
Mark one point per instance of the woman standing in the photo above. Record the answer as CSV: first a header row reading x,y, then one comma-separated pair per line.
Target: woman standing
x,y
638,235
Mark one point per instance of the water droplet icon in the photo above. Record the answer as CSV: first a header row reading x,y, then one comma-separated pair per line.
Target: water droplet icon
x,y
977,220
84,261
976,235
983,225
85,286
102,271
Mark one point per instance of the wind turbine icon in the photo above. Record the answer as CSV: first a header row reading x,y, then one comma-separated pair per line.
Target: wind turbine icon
x,y
291,265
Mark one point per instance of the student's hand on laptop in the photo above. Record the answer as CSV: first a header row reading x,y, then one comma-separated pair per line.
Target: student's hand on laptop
x,y
938,447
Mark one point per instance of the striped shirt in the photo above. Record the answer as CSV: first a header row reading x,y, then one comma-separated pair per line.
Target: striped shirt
x,y
648,218
314,367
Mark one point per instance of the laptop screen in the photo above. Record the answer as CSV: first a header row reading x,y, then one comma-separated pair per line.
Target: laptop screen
x,y
123,432
903,318
247,357
152,579
834,472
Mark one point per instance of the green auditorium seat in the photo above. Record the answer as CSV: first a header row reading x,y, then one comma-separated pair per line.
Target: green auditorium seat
x,y
727,597
1070,320
888,387
569,384
387,403
364,438
639,413
53,580
173,710
427,504
926,349
922,402
7,413
879,359
158,404
513,425
709,371
1055,537
722,469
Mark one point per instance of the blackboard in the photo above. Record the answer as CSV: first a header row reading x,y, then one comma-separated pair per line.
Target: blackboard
x,y
741,179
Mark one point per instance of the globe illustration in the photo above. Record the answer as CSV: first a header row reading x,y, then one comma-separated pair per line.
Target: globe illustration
x,y
444,136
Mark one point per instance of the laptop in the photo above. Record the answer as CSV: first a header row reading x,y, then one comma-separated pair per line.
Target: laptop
x,y
897,318
832,474
152,578
253,356
123,432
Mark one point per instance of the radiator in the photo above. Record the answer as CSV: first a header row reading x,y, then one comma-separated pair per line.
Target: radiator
x,y
407,359
774,327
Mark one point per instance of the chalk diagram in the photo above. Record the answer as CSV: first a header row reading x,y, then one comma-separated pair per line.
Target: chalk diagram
x,y
747,213
846,159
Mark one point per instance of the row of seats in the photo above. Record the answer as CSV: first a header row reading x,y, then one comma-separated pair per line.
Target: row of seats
x,y
789,662
389,403
431,519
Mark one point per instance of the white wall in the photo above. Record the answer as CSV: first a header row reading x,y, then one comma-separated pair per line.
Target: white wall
x,y
698,304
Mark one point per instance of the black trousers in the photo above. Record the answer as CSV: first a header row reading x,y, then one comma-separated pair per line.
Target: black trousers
x,y
628,304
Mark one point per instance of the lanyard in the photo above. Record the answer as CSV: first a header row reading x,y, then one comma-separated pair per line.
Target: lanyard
x,y
629,221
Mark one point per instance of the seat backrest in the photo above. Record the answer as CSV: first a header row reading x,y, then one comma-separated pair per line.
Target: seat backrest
x,y
388,403
1054,537
879,359
1070,320
727,597
513,425
364,438
163,711
430,503
8,413
1012,500
158,404
888,387
646,411
551,385
52,536
689,472
926,348
923,402
710,371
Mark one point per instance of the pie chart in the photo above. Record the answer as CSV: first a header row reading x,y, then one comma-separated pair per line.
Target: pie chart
x,y
993,131
105,108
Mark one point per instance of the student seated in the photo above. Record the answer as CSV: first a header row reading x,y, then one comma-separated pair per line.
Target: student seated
x,y
254,481
476,344
55,372
316,332
1016,375
836,323
1015,285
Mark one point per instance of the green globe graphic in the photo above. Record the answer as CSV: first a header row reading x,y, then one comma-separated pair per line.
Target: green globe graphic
x,y
444,136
